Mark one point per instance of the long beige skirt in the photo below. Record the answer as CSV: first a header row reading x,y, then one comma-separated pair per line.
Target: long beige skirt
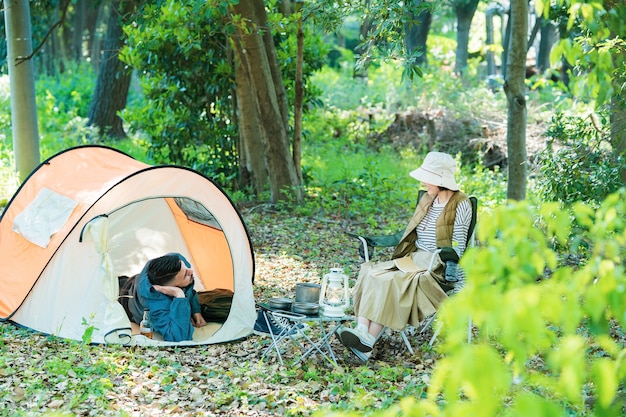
x,y
393,297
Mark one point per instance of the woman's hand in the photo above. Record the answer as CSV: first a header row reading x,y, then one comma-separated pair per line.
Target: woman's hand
x,y
197,320
172,291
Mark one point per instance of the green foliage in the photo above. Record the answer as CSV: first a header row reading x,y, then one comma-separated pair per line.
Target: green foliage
x,y
187,80
578,164
5,114
62,106
65,97
87,336
597,51
315,50
384,89
187,76
541,344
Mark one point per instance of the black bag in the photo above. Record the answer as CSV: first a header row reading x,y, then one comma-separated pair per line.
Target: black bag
x,y
127,291
215,304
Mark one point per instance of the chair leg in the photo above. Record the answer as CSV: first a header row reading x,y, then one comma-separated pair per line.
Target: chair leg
x,y
432,339
406,342
469,332
381,334
426,323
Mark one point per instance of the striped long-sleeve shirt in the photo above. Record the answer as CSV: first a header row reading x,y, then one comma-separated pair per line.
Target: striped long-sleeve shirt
x,y
426,230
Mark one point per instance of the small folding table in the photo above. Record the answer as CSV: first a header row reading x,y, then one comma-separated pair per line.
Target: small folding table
x,y
294,331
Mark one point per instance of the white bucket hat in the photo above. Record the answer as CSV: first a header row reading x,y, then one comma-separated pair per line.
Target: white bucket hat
x,y
437,169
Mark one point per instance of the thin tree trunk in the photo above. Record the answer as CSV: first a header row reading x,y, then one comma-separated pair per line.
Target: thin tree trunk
x,y
515,90
416,30
22,83
298,103
492,10
618,101
566,67
96,15
465,10
618,131
113,82
506,42
80,15
546,41
60,47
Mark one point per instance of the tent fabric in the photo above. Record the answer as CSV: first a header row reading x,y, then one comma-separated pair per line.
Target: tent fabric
x,y
43,217
125,212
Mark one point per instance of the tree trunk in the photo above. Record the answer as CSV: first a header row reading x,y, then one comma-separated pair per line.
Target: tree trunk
x,y
255,56
96,14
252,167
515,90
416,31
22,84
80,16
57,39
492,10
566,67
272,57
618,111
298,102
506,40
464,10
546,41
113,82
618,131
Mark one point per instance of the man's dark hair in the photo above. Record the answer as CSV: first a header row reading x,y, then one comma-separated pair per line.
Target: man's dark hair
x,y
163,269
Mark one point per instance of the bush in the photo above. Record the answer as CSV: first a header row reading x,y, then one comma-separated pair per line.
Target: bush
x,y
578,164
548,347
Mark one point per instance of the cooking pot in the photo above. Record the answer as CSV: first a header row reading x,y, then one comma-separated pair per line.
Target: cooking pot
x,y
307,292
280,304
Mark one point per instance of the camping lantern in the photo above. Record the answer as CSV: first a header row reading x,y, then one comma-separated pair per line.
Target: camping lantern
x,y
334,296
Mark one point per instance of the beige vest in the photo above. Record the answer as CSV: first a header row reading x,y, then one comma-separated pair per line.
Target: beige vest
x,y
444,225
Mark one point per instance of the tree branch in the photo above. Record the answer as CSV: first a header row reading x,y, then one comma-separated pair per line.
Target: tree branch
x,y
18,61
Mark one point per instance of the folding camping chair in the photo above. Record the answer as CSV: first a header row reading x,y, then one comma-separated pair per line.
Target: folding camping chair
x,y
366,249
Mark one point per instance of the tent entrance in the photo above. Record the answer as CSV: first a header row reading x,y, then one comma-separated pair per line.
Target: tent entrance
x,y
145,229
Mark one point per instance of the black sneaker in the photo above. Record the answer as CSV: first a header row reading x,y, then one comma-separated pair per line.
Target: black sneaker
x,y
261,329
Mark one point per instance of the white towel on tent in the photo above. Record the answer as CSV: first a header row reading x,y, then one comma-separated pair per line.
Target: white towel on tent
x,y
43,217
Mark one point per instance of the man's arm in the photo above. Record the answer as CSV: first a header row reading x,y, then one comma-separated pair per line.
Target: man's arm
x,y
171,316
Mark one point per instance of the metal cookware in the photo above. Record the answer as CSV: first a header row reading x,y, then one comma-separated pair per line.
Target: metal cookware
x,y
307,292
310,309
280,303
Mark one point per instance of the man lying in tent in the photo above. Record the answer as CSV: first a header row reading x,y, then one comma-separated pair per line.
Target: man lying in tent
x,y
165,287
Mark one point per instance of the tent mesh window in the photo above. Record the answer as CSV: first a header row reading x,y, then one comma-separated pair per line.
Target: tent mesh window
x,y
197,212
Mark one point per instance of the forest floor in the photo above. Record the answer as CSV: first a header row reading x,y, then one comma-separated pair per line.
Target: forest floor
x,y
40,373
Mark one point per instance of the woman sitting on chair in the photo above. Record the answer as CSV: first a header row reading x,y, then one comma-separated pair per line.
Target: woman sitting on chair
x,y
412,285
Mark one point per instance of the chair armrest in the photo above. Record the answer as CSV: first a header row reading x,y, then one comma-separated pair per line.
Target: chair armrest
x,y
380,240
451,260
448,254
368,243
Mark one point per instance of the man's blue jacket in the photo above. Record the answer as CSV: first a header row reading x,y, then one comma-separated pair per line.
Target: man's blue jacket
x,y
170,316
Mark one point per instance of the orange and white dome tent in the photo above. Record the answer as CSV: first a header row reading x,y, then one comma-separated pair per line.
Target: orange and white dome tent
x,y
90,214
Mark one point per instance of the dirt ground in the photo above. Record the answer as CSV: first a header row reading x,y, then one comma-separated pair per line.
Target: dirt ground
x,y
470,136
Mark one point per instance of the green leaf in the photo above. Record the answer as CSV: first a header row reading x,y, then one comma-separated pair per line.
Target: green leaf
x,y
605,380
529,404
